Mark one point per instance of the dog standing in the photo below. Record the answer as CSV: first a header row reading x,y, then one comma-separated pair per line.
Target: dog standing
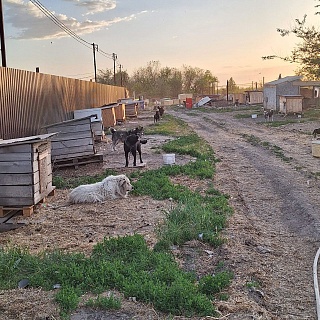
x,y
268,115
315,132
156,117
111,187
132,144
161,110
121,135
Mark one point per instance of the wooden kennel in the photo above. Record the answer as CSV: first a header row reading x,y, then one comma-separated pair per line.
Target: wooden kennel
x,y
73,143
96,121
25,172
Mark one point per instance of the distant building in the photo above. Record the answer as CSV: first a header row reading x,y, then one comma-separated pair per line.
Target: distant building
x,y
281,87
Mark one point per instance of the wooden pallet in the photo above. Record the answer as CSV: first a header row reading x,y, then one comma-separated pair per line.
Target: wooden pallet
x,y
76,162
26,210
6,222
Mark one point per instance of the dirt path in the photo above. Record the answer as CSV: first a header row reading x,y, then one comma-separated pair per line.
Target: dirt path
x,y
275,230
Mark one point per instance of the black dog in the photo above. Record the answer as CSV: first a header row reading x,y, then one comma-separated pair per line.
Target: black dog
x,y
120,135
132,144
156,117
161,110
315,132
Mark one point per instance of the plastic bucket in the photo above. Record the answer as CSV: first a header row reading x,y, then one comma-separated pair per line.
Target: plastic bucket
x,y
169,158
253,116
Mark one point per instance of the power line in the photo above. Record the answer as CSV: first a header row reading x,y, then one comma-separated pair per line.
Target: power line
x,y
62,26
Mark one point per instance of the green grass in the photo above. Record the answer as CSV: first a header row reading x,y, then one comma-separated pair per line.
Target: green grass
x,y
104,303
276,150
124,263
62,183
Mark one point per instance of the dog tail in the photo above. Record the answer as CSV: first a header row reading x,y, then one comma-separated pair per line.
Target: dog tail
x,y
144,141
112,130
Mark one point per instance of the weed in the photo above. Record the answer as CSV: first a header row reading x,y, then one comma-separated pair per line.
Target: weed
x,y
104,303
211,285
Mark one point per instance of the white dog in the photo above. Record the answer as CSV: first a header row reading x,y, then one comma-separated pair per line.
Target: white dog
x,y
112,187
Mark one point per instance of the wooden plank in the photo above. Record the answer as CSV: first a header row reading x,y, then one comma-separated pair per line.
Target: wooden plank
x,y
16,192
71,143
20,148
16,167
10,202
15,157
72,136
71,155
13,179
71,128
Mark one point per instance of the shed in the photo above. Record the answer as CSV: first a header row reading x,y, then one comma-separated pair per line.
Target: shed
x,y
96,121
291,104
25,172
74,142
254,97
274,89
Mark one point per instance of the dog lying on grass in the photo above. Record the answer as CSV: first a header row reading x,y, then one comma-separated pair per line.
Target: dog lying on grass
x,y
132,144
112,187
121,135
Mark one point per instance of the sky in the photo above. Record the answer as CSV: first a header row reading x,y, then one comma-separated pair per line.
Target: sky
x,y
227,37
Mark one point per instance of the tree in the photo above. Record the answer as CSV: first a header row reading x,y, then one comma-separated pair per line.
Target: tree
x,y
307,52
106,77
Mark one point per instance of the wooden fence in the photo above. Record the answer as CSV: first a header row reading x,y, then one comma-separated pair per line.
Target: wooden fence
x,y
29,101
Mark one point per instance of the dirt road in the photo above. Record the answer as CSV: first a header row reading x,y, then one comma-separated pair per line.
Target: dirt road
x,y
274,233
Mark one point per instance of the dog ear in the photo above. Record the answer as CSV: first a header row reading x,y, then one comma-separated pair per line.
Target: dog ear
x,y
123,186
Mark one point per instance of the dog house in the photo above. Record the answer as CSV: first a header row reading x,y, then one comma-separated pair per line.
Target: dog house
x,y
73,143
120,112
96,121
108,115
25,172
131,109
290,104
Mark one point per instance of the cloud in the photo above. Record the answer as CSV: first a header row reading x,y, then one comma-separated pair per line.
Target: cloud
x,y
95,6
30,23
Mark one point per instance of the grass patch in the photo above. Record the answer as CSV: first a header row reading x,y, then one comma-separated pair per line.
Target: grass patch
x,y
104,303
62,183
124,263
169,126
273,148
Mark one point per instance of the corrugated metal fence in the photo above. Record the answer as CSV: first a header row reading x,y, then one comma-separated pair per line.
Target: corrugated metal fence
x,y
29,100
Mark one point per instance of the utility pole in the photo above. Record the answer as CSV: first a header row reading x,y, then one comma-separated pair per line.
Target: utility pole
x,y
3,49
114,57
95,48
227,91
120,66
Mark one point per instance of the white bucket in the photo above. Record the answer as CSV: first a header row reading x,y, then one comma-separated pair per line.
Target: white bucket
x,y
253,116
169,158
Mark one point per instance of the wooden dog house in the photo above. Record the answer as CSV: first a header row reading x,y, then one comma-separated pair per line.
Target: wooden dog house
x,y
108,115
74,143
290,104
131,109
120,111
25,172
96,121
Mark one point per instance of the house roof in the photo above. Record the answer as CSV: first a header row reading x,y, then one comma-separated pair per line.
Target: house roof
x,y
285,79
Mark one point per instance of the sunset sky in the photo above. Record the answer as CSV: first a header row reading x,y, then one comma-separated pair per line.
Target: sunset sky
x,y
227,37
